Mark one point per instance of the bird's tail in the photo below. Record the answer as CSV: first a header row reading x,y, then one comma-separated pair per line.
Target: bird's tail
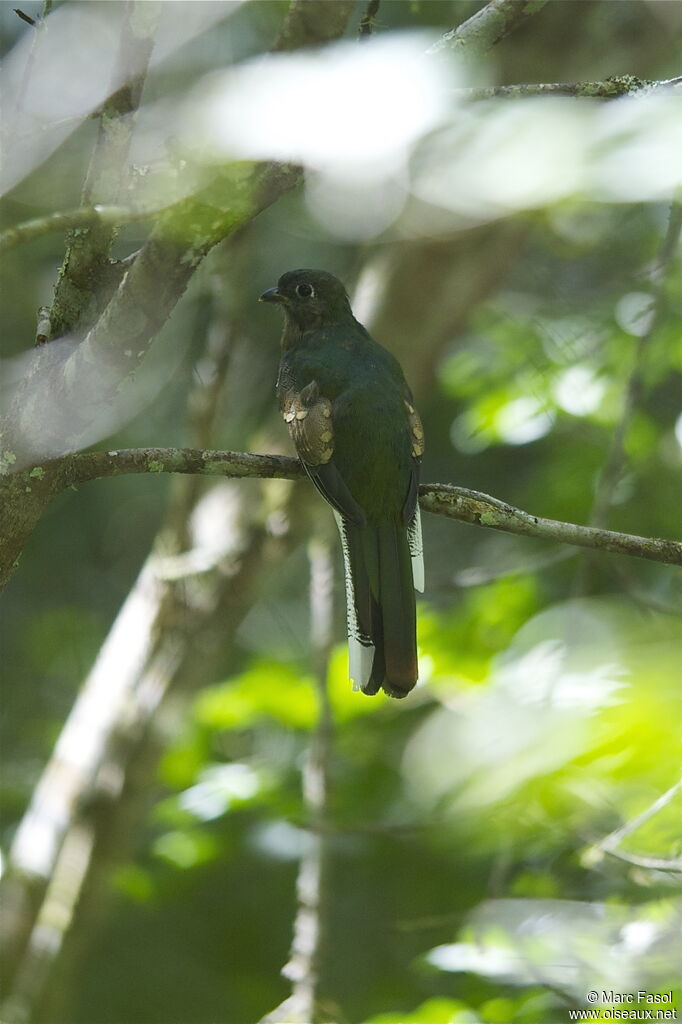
x,y
382,566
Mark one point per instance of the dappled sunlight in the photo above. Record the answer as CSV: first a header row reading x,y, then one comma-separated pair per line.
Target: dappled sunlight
x,y
571,677
523,420
219,788
578,390
635,313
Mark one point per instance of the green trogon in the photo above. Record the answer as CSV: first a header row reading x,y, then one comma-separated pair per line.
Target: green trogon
x,y
351,417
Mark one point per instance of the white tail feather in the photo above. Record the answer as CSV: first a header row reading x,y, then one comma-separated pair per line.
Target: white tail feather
x,y
360,649
414,538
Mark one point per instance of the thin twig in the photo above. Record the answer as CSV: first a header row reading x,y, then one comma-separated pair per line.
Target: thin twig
x,y
611,843
643,861
24,17
613,840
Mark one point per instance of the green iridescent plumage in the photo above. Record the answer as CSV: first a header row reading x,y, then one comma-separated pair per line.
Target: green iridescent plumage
x,y
350,414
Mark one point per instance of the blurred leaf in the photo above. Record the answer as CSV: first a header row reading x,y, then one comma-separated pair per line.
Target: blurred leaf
x,y
186,849
433,1011
136,882
267,690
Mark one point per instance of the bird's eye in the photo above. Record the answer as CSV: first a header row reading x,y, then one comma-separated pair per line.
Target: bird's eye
x,y
304,291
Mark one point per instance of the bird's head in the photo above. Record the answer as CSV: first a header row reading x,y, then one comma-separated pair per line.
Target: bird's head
x,y
309,298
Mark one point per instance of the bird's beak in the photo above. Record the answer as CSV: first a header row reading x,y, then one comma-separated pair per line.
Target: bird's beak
x,y
272,295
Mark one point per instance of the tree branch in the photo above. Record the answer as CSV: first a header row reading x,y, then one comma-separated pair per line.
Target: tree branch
x,y
459,503
93,465
483,510
492,23
81,217
609,89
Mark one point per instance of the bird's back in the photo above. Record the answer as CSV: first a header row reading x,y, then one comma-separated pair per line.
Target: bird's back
x,y
365,384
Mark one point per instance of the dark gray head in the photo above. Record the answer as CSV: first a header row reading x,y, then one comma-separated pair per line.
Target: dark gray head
x,y
310,298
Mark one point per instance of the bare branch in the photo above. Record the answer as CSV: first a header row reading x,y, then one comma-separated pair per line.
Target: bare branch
x,y
492,23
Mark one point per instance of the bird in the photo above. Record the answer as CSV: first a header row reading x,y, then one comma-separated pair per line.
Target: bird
x,y
351,416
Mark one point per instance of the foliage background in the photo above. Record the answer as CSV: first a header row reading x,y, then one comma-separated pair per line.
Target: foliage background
x,y
462,821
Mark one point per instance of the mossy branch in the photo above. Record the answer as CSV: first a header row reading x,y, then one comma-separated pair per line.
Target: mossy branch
x,y
609,89
459,503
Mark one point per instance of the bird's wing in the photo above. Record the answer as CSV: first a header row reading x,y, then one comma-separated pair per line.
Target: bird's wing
x,y
416,431
308,415
416,428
